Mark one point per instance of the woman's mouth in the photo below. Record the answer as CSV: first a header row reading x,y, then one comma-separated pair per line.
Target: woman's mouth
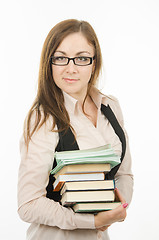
x,y
70,80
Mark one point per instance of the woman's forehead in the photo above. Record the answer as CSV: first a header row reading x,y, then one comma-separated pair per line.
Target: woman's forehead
x,y
75,43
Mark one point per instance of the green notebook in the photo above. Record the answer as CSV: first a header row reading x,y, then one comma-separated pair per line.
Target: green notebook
x,y
103,154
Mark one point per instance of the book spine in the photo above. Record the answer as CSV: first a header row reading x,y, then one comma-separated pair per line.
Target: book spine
x,y
58,186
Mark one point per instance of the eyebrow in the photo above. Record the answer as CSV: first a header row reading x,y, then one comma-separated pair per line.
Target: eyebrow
x,y
78,53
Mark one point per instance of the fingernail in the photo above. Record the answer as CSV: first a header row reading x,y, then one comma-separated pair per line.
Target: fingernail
x,y
115,188
125,205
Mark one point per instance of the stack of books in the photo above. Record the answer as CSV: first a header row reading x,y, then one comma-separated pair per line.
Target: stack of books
x,y
80,178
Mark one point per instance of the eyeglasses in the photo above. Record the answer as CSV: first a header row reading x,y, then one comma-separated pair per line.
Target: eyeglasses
x,y
63,61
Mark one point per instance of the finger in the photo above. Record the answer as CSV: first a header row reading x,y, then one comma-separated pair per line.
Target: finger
x,y
125,205
103,228
122,220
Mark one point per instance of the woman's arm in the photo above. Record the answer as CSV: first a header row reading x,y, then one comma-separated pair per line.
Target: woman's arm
x,y
104,219
124,177
35,166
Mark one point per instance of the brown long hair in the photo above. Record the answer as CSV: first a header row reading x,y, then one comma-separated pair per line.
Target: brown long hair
x,y
49,97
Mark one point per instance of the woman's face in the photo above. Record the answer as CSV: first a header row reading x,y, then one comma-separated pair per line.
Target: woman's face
x,y
71,78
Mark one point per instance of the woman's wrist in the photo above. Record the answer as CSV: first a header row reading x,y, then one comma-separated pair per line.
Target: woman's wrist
x,y
96,221
103,219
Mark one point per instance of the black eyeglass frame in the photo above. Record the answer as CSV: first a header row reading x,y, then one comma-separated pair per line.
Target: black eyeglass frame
x,y
73,59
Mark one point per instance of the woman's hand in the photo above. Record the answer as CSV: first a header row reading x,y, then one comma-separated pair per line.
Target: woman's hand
x,y
103,228
104,219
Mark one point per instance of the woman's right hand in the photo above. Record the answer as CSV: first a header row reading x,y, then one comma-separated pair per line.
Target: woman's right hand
x,y
106,218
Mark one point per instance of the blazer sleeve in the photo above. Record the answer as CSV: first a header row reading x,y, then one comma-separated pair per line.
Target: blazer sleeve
x,y
35,166
124,176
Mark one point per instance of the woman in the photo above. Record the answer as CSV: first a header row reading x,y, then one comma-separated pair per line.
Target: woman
x,y
68,102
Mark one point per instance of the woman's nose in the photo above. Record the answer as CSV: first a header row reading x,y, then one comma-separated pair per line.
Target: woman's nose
x,y
71,67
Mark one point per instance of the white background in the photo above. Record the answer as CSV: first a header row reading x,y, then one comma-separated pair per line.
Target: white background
x,y
128,32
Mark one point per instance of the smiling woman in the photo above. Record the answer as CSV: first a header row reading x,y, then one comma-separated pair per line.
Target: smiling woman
x,y
69,113
71,32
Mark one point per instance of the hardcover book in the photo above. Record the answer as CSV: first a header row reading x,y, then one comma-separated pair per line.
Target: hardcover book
x,y
95,207
76,177
84,168
70,198
88,185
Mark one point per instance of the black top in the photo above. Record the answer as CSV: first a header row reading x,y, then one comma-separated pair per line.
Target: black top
x,y
67,142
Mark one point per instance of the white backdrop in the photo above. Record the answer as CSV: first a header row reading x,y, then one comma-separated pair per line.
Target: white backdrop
x,y
128,32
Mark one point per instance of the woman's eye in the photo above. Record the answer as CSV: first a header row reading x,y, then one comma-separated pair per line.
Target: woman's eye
x,y
60,58
83,59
